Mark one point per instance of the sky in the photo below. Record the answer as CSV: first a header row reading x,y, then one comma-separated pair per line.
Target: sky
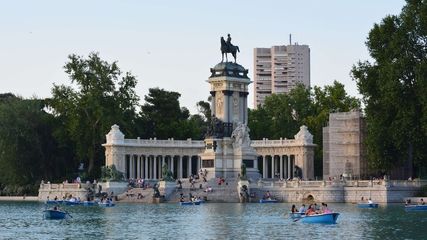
x,y
173,44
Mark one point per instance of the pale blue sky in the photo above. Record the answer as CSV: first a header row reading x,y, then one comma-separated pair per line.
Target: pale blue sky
x,y
172,44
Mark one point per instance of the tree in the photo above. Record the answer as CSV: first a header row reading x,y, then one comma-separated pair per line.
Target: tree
x,y
394,87
29,149
282,115
162,117
104,96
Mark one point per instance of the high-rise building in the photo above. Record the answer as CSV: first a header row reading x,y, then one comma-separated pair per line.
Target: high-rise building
x,y
279,69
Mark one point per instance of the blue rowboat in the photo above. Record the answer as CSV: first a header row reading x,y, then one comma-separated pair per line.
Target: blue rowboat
x,y
367,205
327,218
296,215
106,204
190,203
54,214
268,201
54,201
72,203
89,203
416,208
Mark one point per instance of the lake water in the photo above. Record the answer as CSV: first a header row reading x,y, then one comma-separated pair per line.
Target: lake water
x,y
24,220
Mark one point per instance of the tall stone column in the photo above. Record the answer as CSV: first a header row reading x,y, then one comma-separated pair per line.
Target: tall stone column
x,y
281,165
146,166
172,160
180,166
189,166
138,167
132,166
213,102
155,167
264,168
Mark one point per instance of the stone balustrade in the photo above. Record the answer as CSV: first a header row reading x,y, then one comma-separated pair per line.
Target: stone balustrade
x,y
164,143
347,183
58,186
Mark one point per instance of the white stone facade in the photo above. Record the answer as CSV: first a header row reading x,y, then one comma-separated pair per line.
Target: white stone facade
x,y
344,153
144,158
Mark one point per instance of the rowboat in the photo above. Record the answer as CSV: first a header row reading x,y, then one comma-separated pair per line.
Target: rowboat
x,y
296,215
416,208
327,218
367,205
106,204
89,203
54,201
54,214
268,201
190,203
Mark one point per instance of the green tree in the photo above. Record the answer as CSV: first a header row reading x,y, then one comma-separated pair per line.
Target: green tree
x,y
282,115
29,150
162,117
394,87
102,96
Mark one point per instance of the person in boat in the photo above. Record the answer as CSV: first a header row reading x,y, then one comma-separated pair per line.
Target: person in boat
x,y
408,202
294,209
422,202
310,210
302,209
56,198
370,201
267,195
325,208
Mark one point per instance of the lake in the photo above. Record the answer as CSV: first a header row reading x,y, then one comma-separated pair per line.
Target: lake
x,y
24,220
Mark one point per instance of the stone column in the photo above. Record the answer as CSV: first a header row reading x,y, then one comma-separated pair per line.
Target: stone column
x,y
189,165
172,160
146,167
138,167
281,165
264,167
132,166
213,102
180,166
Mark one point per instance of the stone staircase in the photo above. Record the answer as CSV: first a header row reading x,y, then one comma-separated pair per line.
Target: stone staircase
x,y
226,192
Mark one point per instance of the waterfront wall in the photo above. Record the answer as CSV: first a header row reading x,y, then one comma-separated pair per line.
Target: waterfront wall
x,y
337,191
78,190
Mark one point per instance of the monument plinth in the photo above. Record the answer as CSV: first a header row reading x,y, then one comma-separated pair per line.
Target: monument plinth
x,y
227,144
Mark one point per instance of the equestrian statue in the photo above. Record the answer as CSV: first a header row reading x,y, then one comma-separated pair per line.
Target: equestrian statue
x,y
227,47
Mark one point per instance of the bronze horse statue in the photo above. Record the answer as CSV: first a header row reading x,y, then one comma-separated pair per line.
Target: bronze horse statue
x,y
228,48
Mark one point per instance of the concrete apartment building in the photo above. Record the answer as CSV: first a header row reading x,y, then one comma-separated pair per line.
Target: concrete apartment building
x,y
343,149
279,69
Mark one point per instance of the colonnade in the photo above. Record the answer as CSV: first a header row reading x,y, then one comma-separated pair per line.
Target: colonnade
x,y
277,166
150,166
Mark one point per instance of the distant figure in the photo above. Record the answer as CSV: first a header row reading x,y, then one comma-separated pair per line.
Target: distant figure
x,y
302,209
294,209
370,201
422,202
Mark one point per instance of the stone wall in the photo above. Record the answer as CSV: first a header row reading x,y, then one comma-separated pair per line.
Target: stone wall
x,y
78,190
336,191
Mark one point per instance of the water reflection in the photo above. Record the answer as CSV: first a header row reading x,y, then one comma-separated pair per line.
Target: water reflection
x,y
208,221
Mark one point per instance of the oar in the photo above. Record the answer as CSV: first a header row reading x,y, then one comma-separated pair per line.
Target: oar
x,y
68,214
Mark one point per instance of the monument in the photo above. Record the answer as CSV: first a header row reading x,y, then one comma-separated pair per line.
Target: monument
x,y
227,144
